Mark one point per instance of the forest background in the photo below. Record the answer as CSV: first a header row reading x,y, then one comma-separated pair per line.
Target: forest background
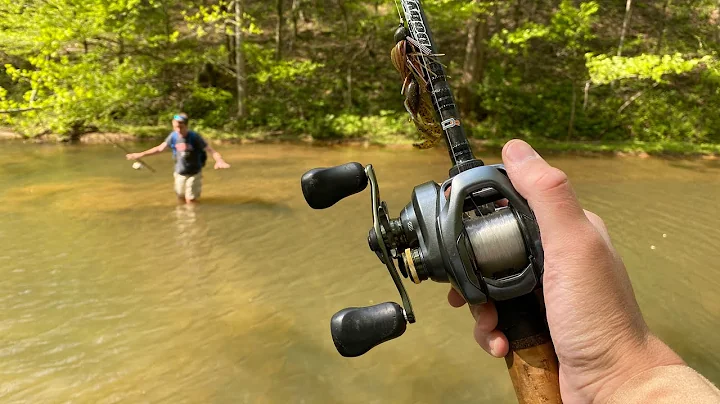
x,y
565,72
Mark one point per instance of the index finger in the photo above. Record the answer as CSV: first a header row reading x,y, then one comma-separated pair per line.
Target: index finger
x,y
455,299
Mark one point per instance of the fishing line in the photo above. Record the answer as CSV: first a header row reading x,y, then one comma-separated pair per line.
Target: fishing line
x,y
398,10
496,238
129,152
497,242
430,73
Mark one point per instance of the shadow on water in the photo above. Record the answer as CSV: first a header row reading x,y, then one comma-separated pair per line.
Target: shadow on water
x,y
697,166
242,200
283,362
270,353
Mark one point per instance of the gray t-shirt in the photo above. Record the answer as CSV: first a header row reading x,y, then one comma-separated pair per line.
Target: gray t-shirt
x,y
187,152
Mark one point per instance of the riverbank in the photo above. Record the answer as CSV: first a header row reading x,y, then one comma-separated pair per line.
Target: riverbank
x,y
8,135
639,149
621,149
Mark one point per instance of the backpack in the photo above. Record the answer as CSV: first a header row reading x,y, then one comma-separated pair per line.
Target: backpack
x,y
192,139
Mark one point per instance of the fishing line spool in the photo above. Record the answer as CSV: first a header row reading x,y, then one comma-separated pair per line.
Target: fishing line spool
x,y
473,231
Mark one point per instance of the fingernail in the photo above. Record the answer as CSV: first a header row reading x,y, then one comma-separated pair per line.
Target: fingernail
x,y
518,151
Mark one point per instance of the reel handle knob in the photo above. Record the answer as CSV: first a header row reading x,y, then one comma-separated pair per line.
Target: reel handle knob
x,y
356,330
324,187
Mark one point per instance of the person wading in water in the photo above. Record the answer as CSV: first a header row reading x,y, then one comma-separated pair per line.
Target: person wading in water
x,y
190,152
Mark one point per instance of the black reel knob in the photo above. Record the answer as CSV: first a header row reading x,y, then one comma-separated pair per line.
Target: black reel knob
x,y
324,187
356,330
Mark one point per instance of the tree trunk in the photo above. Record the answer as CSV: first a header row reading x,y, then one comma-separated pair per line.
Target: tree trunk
x,y
573,107
532,9
167,78
626,25
586,100
230,43
467,78
474,65
294,14
349,82
121,50
166,19
279,30
239,59
301,14
498,27
229,38
717,32
526,57
517,14
663,26
348,66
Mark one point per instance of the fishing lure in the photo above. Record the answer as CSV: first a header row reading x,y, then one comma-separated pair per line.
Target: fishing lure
x,y
410,59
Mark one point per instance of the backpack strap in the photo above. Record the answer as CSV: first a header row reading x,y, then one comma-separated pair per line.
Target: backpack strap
x,y
194,139
173,141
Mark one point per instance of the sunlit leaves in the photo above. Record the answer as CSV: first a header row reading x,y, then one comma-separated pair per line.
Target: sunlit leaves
x,y
569,29
573,25
605,69
218,18
510,42
82,60
287,70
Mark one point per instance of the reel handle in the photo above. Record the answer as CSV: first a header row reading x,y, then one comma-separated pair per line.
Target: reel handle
x,y
356,330
324,187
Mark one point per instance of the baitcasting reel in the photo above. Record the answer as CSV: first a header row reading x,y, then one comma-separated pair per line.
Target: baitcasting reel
x,y
474,231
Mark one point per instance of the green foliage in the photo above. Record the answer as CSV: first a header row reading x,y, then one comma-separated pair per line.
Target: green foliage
x,y
68,65
605,69
81,63
382,128
510,42
453,10
78,92
286,71
573,25
209,106
570,28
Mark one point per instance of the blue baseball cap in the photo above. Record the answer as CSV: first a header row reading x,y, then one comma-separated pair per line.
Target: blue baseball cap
x,y
179,118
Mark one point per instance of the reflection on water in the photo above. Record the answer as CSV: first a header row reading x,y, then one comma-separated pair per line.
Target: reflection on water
x,y
112,292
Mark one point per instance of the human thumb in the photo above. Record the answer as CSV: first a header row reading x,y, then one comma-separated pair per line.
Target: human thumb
x,y
546,189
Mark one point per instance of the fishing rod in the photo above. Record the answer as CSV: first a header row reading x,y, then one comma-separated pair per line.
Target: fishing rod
x,y
138,160
473,231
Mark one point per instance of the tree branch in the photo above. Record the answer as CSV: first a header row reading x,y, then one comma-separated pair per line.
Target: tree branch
x,y
633,98
587,94
17,110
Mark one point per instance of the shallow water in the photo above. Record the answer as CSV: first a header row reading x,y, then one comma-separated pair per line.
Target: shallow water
x,y
111,292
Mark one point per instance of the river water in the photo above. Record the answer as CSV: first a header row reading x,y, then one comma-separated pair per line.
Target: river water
x,y
111,292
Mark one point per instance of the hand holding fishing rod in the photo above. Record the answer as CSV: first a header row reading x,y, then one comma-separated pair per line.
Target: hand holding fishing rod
x,y
597,328
595,321
474,231
139,163
478,232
